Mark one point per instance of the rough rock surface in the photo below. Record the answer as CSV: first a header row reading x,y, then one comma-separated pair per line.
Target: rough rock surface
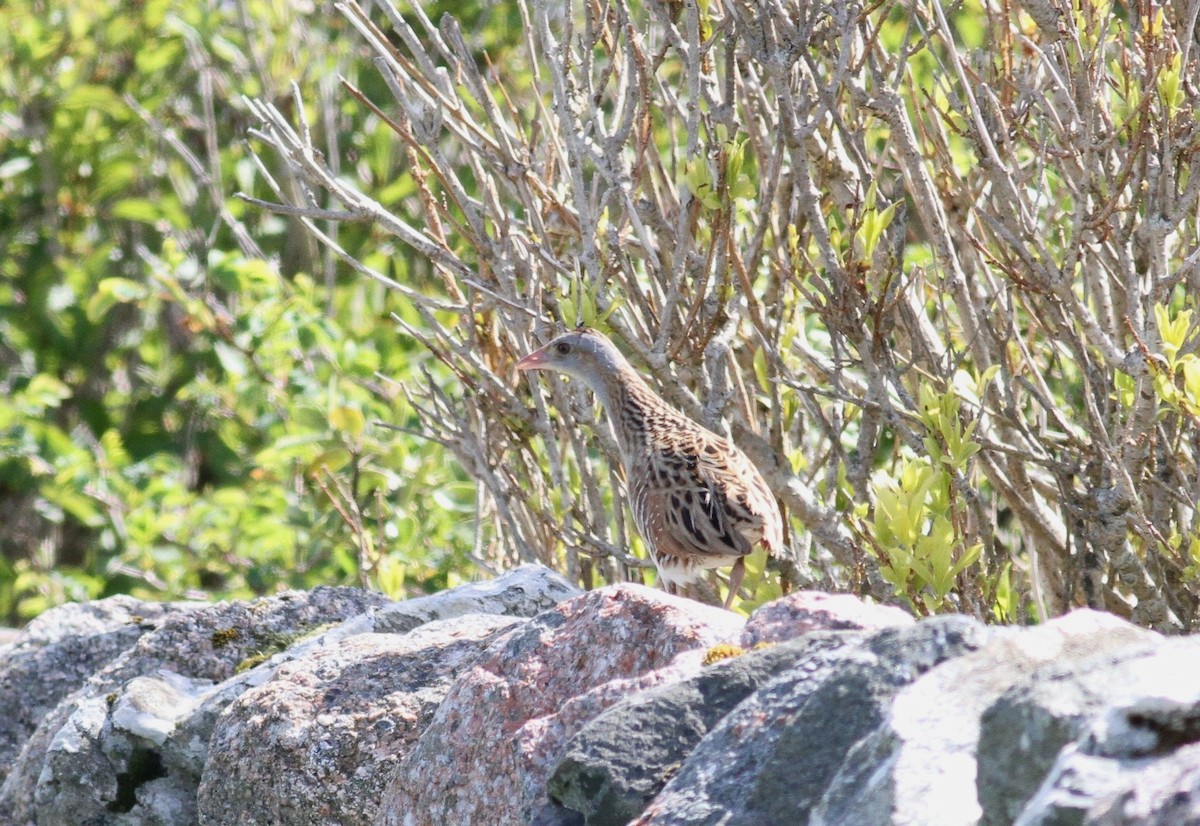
x,y
71,770
130,746
1153,792
318,742
596,711
920,767
521,592
56,653
806,611
772,758
616,765
623,758
1095,730
494,741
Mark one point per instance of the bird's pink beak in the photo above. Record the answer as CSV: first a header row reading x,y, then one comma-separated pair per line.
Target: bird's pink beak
x,y
534,361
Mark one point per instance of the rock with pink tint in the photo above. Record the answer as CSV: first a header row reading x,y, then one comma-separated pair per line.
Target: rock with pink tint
x,y
318,741
542,742
619,761
486,755
806,611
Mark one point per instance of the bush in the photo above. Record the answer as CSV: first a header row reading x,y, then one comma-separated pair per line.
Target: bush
x,y
933,267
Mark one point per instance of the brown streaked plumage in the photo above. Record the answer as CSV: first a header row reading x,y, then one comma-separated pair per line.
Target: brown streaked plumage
x,y
698,502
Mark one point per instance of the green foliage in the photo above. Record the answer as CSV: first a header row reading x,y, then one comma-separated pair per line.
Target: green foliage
x,y
179,418
916,526
1177,373
581,303
874,222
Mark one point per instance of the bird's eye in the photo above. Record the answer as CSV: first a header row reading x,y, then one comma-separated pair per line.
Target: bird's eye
x,y
562,348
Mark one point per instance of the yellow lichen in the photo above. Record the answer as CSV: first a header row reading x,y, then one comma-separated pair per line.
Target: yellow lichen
x,y
254,659
722,651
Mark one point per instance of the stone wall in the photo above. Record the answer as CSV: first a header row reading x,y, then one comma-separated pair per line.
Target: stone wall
x,y
523,701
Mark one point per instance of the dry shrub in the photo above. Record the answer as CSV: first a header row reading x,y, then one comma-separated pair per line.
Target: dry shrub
x,y
931,265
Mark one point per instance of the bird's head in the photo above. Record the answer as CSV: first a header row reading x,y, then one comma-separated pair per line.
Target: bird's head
x,y
585,354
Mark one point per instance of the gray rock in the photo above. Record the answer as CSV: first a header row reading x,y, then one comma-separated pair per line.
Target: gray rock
x,y
318,742
1105,730
120,747
80,763
771,760
1023,731
503,727
555,814
131,745
920,767
300,709
1154,792
56,653
521,592
623,758
806,611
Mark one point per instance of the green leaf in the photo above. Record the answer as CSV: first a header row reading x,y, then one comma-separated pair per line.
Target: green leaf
x,y
874,223
969,557
94,97
139,210
1169,85
1125,388
113,291
83,508
1190,367
156,57
42,392
390,576
1174,332
699,181
348,420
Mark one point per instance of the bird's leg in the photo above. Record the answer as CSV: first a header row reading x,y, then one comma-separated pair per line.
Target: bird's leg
x,y
735,580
